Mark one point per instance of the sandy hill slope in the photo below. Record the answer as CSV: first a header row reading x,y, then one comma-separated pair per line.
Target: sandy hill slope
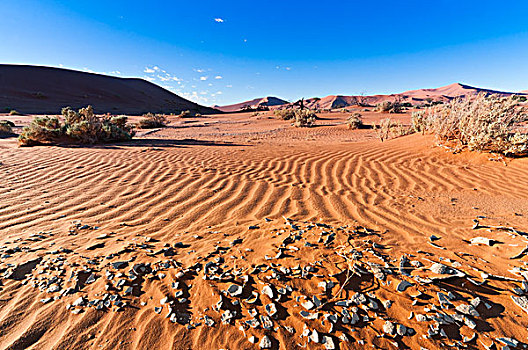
x,y
253,104
45,90
416,97
444,93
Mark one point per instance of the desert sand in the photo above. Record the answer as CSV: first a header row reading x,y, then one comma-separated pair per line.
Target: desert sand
x,y
153,243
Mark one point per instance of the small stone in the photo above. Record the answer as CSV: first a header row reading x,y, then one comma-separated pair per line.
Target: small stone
x,y
403,285
79,302
401,330
388,328
265,343
268,291
308,305
467,309
328,343
315,336
482,240
234,290
271,309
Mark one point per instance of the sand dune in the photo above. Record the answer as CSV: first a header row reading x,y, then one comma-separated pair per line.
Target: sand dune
x,y
204,182
45,90
415,97
256,103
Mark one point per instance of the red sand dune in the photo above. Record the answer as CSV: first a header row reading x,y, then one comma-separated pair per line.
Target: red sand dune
x,y
45,90
416,97
253,104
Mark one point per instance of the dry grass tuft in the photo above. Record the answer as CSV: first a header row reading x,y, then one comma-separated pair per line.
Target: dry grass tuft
x,y
484,123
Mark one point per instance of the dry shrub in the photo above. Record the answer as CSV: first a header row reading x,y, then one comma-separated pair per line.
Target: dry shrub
x,y
285,114
81,127
14,112
185,114
6,128
304,118
151,121
41,130
355,121
389,129
482,123
390,107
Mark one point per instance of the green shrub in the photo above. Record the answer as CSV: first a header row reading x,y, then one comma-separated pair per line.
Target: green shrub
x,y
304,118
151,121
285,114
355,121
185,114
14,112
81,127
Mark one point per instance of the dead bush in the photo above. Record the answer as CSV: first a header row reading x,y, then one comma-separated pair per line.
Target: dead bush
x,y
483,123
151,121
389,129
389,107
355,121
285,114
304,118
6,128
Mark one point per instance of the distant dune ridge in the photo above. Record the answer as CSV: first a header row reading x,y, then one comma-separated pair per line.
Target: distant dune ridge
x,y
257,103
45,90
444,93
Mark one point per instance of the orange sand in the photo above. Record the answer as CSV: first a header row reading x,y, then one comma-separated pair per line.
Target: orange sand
x,y
204,181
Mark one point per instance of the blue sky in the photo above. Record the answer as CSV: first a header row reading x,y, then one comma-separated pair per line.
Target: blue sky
x,y
221,52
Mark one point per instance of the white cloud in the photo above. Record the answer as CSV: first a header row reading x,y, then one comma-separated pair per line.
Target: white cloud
x,y
219,20
219,77
203,78
193,96
229,86
149,70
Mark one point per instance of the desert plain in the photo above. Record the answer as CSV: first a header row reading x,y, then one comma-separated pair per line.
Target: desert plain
x,y
238,231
